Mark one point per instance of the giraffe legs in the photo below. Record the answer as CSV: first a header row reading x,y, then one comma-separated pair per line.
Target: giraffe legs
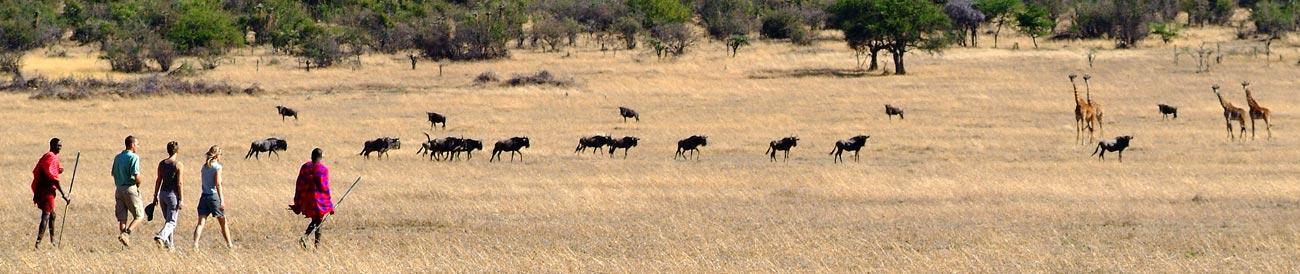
x,y
1229,123
1252,128
1268,128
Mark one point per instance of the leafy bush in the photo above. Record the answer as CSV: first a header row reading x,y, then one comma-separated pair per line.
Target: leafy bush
x,y
724,18
781,24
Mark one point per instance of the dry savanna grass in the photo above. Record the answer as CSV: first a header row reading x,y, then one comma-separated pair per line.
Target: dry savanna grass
x,y
983,176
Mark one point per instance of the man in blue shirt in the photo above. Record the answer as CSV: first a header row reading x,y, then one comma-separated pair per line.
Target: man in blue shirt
x,y
126,175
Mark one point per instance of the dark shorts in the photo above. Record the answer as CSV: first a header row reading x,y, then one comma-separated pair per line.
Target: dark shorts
x,y
210,205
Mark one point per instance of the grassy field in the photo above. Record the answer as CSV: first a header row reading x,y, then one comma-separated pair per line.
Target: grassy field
x,y
983,175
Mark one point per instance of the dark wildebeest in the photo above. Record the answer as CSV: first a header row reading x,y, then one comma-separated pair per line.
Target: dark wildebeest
x,y
286,112
785,144
628,113
595,142
269,145
1116,145
512,145
381,145
626,143
435,119
436,147
468,146
851,144
691,144
891,110
1166,110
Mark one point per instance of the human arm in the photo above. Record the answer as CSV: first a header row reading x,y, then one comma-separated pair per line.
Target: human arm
x,y
220,195
179,190
157,183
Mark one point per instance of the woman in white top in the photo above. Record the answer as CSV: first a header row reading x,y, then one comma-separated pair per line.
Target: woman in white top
x,y
212,203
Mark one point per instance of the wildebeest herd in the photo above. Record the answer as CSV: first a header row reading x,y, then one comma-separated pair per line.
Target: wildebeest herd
x,y
1088,117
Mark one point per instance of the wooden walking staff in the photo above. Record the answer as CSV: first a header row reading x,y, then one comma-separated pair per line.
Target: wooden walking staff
x,y
337,204
68,202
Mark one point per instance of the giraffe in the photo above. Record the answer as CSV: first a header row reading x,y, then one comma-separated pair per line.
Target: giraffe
x,y
1093,114
1081,108
1231,112
1257,112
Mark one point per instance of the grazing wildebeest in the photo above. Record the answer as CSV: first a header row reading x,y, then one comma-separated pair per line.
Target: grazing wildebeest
x,y
468,146
691,144
269,145
891,110
628,113
436,118
595,142
1116,145
512,145
286,112
1166,110
785,144
381,145
626,143
851,144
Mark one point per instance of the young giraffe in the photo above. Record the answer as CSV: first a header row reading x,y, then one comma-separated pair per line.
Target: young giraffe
x,y
1231,112
1257,112
1093,116
1081,108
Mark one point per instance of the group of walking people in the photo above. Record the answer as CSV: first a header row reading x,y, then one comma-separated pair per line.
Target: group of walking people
x,y
311,195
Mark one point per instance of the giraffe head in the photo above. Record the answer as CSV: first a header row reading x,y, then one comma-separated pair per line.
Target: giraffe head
x,y
1245,84
1216,88
1087,77
1072,76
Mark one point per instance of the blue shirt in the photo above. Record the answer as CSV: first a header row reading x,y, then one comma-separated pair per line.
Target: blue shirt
x,y
126,166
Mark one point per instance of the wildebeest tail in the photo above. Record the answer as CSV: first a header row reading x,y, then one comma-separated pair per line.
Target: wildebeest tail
x,y
1094,152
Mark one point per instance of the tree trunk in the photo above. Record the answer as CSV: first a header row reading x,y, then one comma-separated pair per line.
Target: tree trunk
x,y
874,52
898,61
997,32
974,36
1035,39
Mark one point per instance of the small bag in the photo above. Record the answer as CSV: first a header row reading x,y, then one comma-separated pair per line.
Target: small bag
x,y
148,211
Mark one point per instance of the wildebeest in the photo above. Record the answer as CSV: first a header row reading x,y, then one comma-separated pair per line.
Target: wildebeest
x,y
436,118
1116,145
891,110
381,145
595,142
628,113
626,143
853,144
436,147
512,145
268,145
1166,110
468,146
785,144
286,112
691,144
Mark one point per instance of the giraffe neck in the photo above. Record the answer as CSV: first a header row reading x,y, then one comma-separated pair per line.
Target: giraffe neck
x,y
1250,99
1077,101
1223,103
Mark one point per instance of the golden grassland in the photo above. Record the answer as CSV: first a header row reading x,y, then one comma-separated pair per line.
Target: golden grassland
x,y
983,176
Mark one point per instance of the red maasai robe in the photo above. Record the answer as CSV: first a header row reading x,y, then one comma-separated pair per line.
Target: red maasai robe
x,y
312,195
45,181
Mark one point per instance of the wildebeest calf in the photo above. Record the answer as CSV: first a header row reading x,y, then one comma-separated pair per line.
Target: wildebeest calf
x,y
691,144
853,144
512,145
1116,145
286,112
1166,110
268,145
381,145
785,144
628,113
594,142
436,118
891,110
626,143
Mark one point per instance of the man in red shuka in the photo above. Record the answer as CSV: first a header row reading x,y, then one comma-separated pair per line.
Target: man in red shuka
x,y
312,195
45,181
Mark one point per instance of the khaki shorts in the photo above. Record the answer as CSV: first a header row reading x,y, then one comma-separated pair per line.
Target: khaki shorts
x,y
128,203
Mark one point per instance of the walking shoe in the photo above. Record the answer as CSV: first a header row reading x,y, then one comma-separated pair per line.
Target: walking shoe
x,y
303,241
123,238
160,243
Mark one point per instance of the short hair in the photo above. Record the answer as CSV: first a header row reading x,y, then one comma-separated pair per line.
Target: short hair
x,y
316,154
172,147
130,140
55,141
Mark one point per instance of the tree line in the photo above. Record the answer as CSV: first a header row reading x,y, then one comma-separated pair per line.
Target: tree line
x,y
141,35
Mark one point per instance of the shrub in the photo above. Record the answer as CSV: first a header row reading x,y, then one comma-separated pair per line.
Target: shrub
x,y
675,38
147,86
542,77
124,55
202,24
161,52
628,29
781,24
487,77
724,18
660,12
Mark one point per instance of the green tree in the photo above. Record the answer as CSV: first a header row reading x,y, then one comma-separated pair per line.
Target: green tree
x,y
998,12
1166,31
912,24
202,24
660,12
1274,20
859,20
736,41
24,26
1035,22
725,18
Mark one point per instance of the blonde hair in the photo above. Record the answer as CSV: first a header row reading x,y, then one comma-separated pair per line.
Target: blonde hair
x,y
212,154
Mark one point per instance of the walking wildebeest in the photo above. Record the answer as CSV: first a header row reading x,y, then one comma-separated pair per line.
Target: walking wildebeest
x,y
268,145
468,146
512,145
1166,110
436,147
626,143
1116,145
691,144
891,110
851,144
628,113
785,144
435,118
595,142
381,145
286,112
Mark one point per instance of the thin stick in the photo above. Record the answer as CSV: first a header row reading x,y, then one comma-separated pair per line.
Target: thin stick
x,y
68,203
337,204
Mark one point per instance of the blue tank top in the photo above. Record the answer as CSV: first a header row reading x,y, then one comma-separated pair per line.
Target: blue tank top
x,y
210,178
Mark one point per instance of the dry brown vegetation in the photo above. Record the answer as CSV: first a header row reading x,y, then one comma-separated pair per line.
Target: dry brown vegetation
x,y
983,176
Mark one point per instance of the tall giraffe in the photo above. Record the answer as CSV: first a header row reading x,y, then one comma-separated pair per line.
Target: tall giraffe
x,y
1257,112
1094,114
1231,112
1081,108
